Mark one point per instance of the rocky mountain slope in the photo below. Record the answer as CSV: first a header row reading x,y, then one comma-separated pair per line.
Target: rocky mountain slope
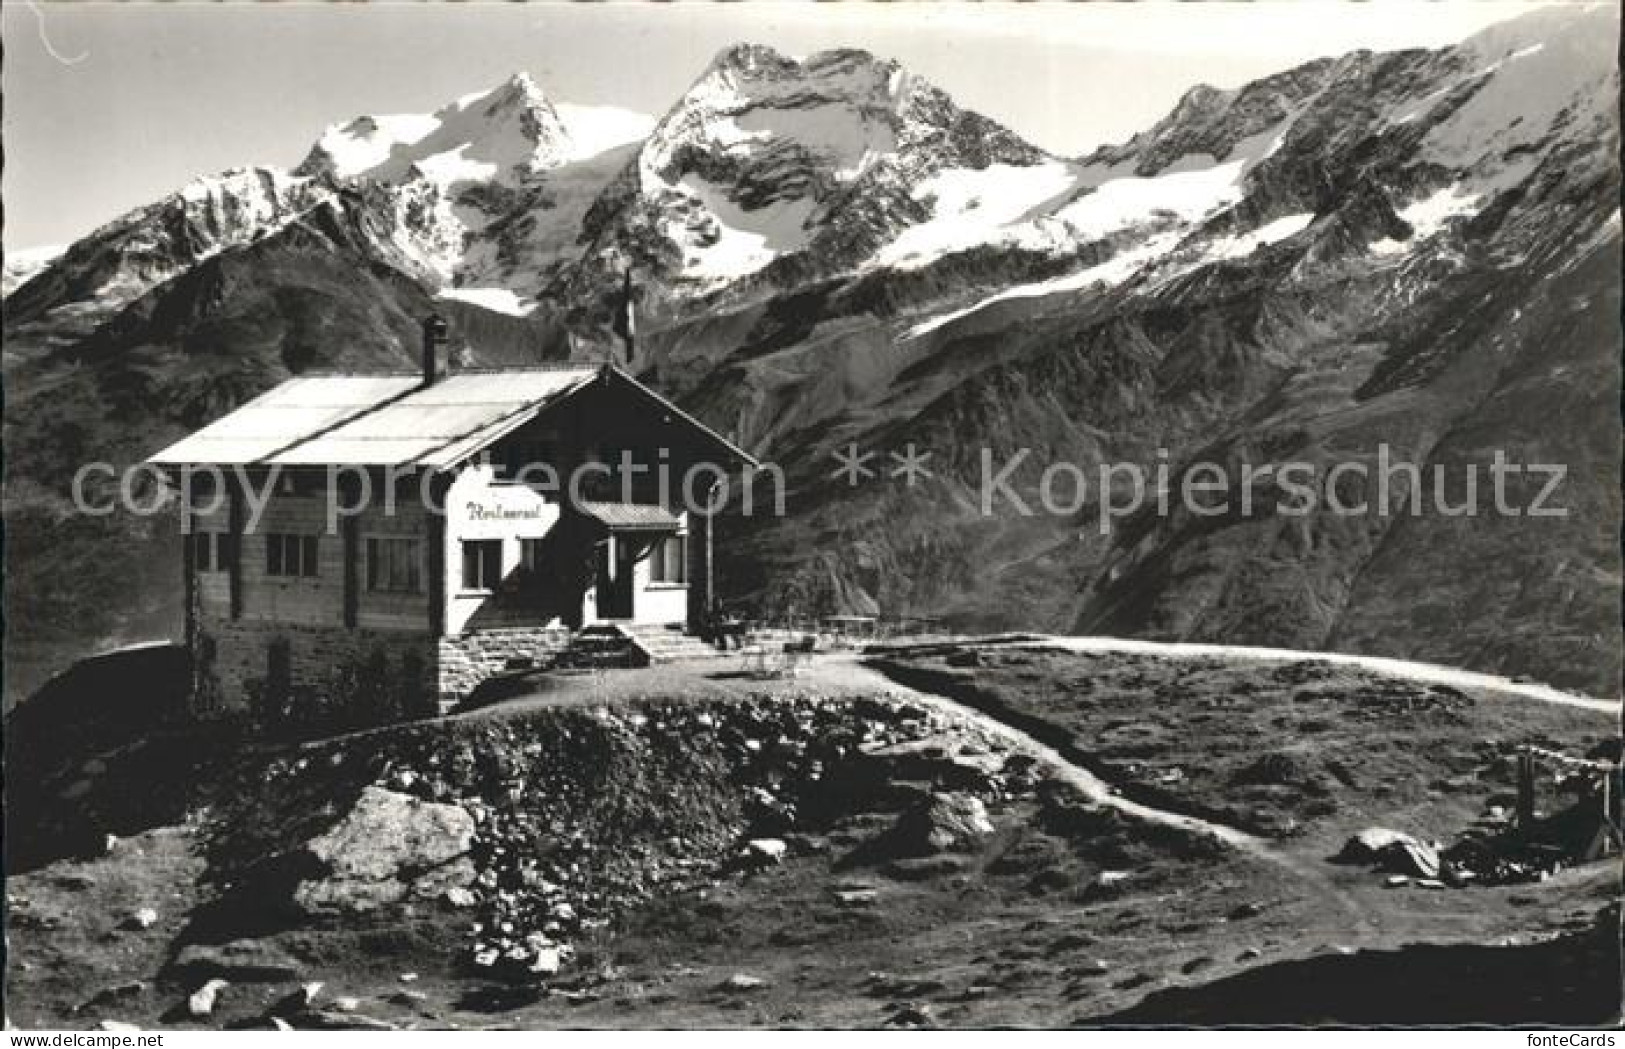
x,y
1416,250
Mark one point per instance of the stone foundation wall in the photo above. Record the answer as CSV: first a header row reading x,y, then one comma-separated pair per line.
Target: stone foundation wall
x,y
465,660
353,676
290,671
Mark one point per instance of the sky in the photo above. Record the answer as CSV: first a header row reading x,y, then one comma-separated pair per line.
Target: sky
x,y
111,106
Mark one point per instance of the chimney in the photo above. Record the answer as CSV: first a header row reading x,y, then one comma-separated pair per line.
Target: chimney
x,y
434,335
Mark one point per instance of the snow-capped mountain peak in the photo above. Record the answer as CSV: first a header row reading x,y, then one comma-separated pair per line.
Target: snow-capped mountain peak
x,y
768,158
504,135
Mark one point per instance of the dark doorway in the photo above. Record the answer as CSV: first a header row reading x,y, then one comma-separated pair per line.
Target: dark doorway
x,y
614,588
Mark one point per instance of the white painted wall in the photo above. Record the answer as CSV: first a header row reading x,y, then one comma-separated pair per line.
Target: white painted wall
x,y
478,508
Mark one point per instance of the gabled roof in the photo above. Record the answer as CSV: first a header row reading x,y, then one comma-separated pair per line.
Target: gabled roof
x,y
395,420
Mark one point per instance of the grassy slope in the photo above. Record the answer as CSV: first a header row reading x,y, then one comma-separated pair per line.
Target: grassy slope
x,y
1300,750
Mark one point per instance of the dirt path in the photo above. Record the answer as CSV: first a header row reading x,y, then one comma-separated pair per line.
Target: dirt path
x,y
1429,673
849,674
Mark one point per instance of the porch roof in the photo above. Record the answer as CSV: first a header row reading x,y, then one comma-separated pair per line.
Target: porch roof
x,y
630,517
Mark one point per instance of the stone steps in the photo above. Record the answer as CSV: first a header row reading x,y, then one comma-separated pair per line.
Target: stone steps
x,y
669,644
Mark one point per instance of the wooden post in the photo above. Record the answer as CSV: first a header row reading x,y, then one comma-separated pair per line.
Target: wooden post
x,y
234,528
350,554
1526,791
350,539
189,584
192,625
437,556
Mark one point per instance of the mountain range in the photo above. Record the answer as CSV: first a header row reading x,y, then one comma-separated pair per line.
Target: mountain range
x,y
1415,253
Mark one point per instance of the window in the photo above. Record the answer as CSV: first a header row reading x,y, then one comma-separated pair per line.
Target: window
x,y
290,555
394,565
668,562
482,564
530,554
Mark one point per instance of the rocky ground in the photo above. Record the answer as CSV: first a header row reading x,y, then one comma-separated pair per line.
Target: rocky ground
x,y
695,847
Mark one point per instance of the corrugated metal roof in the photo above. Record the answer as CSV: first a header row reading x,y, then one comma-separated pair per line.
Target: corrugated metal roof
x,y
630,517
375,421
393,420
461,409
280,417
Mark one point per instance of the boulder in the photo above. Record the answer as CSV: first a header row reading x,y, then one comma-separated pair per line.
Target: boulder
x,y
1367,845
390,846
144,918
953,822
546,962
203,1000
766,851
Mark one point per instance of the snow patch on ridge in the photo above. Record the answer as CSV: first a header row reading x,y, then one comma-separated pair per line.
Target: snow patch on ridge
x,y
1244,244
973,208
1113,271
1429,215
746,240
1059,205
596,129
501,300
364,145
